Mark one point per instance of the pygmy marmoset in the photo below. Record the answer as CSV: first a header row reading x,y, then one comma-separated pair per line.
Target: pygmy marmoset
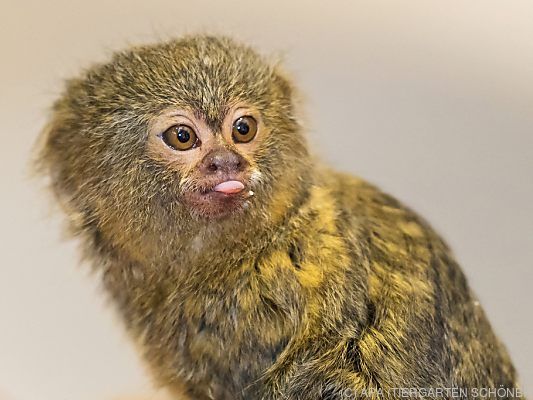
x,y
243,268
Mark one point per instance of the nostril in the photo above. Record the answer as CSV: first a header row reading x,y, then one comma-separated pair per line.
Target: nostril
x,y
223,161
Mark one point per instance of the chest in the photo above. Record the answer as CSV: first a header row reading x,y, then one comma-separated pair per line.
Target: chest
x,y
219,329
216,336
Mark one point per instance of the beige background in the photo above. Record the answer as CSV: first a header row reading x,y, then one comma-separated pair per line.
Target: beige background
x,y
433,100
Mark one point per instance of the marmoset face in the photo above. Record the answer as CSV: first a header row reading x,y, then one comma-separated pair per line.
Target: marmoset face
x,y
217,168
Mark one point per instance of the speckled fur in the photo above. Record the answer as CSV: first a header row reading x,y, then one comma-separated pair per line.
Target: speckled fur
x,y
322,284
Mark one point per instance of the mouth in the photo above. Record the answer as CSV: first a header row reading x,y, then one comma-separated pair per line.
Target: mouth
x,y
220,199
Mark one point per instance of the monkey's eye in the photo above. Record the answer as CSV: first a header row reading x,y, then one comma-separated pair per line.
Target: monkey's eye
x,y
244,129
180,137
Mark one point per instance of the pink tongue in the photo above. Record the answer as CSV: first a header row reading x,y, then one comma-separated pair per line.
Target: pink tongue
x,y
229,187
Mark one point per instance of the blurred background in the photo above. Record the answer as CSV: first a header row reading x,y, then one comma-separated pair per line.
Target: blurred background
x,y
431,100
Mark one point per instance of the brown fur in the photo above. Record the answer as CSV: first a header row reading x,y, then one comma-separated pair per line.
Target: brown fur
x,y
323,284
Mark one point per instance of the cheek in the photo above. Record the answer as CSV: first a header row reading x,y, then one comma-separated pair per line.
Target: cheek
x,y
183,163
256,152
256,177
268,157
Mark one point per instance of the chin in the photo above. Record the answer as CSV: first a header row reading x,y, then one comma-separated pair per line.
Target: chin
x,y
216,206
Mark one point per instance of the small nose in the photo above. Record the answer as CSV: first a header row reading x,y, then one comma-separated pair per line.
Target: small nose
x,y
222,160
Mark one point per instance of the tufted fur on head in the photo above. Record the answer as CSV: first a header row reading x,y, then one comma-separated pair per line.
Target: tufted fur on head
x,y
95,145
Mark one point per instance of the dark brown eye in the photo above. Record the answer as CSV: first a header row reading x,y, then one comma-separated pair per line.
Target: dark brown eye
x,y
180,137
244,129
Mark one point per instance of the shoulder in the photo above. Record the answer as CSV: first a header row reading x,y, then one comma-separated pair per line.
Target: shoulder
x,y
400,244
376,211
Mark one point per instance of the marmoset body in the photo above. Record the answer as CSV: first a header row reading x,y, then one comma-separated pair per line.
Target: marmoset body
x,y
242,267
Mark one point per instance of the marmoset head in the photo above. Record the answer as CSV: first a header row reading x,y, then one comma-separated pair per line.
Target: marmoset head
x,y
200,130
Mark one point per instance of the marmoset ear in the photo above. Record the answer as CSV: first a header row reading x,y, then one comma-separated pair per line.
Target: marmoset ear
x,y
283,82
282,78
287,89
